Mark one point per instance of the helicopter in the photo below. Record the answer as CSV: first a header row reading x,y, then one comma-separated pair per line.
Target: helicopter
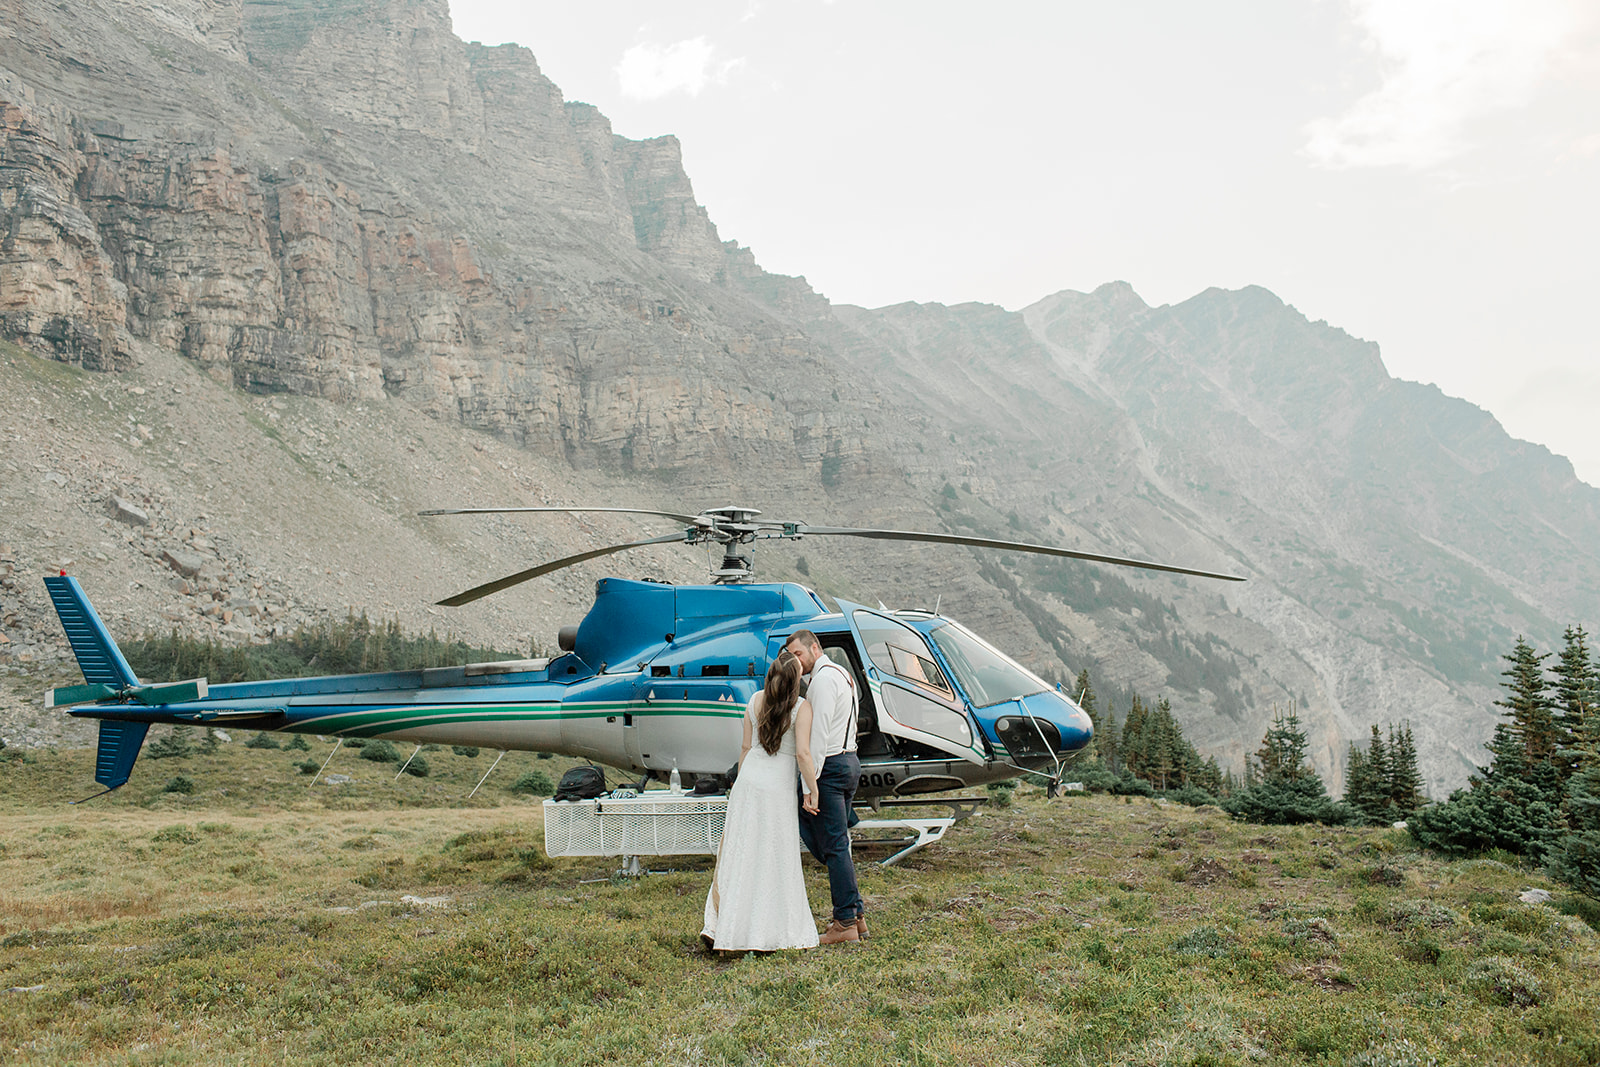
x,y
655,678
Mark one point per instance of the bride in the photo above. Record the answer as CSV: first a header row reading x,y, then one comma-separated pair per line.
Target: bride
x,y
758,895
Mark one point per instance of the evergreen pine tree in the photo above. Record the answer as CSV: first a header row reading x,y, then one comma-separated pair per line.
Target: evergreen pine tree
x,y
1406,792
1361,786
1289,790
1577,693
1134,744
1379,764
1110,751
1086,700
1163,741
1576,859
1532,725
1516,805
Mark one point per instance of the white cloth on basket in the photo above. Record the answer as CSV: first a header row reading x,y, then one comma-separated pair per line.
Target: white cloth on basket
x,y
758,893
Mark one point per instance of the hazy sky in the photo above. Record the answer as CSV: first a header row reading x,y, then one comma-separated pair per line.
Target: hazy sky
x,y
1422,173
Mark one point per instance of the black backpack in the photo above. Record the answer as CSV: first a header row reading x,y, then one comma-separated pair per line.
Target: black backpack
x,y
581,783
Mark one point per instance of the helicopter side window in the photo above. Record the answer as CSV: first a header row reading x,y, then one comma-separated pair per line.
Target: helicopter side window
x,y
900,651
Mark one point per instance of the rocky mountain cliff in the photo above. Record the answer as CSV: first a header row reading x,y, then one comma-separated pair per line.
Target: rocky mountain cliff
x,y
374,257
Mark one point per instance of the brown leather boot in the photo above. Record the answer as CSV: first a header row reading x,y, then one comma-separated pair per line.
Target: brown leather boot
x,y
838,932
861,927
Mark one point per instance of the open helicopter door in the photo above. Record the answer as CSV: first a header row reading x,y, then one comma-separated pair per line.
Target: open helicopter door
x,y
914,698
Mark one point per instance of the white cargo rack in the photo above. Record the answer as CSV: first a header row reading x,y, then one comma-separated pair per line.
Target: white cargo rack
x,y
660,823
656,823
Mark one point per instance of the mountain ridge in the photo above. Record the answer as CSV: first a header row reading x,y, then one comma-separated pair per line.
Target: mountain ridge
x,y
342,207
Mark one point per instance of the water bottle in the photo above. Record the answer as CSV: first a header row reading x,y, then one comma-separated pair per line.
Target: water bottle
x,y
675,783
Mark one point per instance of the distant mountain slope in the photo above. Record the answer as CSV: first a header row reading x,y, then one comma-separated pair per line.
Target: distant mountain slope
x,y
1398,540
340,203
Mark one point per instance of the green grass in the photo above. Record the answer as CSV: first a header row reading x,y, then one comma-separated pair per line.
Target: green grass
x,y
259,921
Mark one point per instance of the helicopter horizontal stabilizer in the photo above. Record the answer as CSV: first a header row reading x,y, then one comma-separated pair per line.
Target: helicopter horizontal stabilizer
x,y
67,695
148,695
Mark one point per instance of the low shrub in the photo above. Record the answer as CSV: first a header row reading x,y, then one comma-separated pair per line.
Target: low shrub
x,y
1205,941
1420,914
1095,778
308,766
176,834
1384,874
1422,948
1127,785
1584,908
262,740
298,744
380,752
469,751
1401,1053
1498,979
174,745
1191,795
534,783
178,784
418,767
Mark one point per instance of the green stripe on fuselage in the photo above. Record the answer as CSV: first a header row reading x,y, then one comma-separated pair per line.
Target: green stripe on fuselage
x,y
375,721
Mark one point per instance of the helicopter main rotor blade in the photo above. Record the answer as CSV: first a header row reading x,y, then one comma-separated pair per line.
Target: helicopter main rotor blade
x,y
1012,546
480,591
690,520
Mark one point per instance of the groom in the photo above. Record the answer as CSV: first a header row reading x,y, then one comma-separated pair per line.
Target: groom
x,y
832,693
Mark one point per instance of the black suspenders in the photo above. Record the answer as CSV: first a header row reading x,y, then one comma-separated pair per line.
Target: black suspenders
x,y
850,725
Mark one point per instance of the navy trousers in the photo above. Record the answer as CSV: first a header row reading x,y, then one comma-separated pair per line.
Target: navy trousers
x,y
827,833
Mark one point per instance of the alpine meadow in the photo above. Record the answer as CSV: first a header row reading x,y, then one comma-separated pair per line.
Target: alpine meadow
x,y
394,434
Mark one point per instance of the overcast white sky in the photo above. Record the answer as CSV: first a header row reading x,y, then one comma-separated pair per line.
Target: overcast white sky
x,y
1422,173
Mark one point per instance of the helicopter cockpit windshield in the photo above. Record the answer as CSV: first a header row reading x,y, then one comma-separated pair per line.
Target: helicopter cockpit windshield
x,y
987,675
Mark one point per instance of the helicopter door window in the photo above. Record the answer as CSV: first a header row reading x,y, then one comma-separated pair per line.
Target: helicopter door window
x,y
918,712
919,669
900,651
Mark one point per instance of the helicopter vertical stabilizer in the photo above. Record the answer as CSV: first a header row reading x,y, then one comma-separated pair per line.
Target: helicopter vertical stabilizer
x,y
98,656
119,747
103,665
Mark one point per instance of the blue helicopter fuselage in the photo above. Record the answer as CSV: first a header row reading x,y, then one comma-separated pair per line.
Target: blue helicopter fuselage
x,y
657,677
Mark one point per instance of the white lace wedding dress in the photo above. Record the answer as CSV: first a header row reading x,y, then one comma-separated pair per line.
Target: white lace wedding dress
x,y
758,895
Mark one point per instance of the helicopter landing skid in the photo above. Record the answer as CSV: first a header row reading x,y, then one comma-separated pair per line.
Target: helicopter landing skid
x,y
926,831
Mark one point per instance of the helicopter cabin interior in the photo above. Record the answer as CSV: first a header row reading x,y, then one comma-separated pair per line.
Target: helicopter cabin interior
x,y
926,718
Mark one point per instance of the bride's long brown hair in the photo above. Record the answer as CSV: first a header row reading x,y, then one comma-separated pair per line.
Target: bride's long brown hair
x,y
783,685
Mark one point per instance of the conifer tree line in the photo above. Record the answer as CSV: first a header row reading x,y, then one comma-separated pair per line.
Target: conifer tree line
x,y
1540,795
1145,753
1383,783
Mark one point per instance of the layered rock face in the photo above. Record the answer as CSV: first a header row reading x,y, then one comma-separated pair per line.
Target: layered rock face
x,y
339,201
357,203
